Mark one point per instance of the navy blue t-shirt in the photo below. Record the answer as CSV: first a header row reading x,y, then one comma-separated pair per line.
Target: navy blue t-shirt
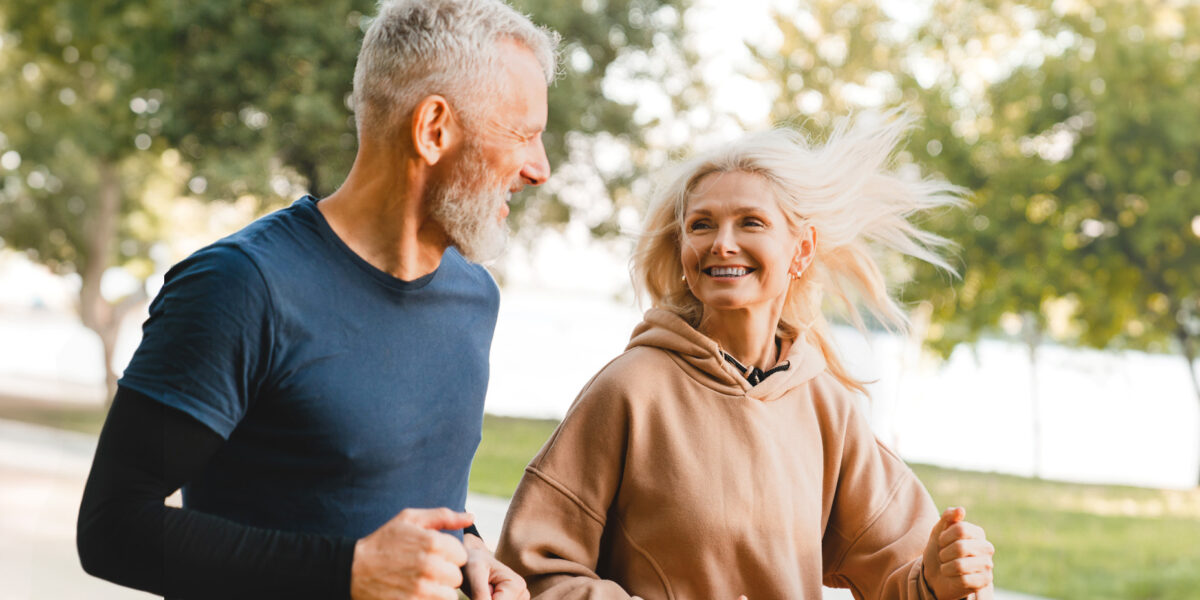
x,y
345,394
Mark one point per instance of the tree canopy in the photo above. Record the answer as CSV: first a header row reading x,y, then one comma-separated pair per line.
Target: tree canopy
x,y
112,105
1067,123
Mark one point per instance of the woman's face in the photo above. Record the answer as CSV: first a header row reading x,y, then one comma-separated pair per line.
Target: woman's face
x,y
736,247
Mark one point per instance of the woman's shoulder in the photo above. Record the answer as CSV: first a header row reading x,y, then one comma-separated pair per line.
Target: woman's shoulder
x,y
628,380
635,369
831,399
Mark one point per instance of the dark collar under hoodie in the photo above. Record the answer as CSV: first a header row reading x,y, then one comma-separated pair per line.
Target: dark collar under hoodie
x,y
703,359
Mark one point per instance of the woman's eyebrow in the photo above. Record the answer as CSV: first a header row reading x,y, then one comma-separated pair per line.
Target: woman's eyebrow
x,y
741,210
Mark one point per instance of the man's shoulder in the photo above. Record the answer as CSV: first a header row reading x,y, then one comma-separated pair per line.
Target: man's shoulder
x,y
221,260
276,231
250,252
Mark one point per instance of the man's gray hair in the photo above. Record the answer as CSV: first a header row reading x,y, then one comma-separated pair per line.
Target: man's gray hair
x,y
415,48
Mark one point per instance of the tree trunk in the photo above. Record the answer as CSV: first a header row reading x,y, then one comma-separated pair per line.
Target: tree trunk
x,y
1189,354
1033,339
920,319
108,340
100,235
308,170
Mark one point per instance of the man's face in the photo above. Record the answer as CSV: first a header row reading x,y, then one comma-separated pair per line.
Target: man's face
x,y
502,153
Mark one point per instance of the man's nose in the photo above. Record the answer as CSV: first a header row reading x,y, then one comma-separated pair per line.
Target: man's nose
x,y
537,167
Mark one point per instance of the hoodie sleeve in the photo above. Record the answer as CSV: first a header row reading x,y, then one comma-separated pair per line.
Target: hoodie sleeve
x,y
558,515
880,519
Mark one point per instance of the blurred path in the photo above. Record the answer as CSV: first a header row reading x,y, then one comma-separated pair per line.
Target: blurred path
x,y
42,473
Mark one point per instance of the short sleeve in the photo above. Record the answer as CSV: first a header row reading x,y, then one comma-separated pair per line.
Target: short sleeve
x,y
206,346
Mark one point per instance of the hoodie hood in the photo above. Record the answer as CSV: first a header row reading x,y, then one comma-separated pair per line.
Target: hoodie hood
x,y
700,357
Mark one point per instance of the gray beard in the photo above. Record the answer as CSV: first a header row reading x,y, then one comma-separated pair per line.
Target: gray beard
x,y
467,208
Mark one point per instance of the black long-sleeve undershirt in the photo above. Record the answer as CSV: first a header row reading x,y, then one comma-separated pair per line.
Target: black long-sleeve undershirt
x,y
128,536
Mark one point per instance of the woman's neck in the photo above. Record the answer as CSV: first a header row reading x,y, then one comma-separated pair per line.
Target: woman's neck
x,y
747,335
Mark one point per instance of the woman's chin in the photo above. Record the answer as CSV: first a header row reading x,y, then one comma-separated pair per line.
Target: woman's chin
x,y
726,305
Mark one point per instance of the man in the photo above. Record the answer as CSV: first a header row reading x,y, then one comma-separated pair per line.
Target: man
x,y
315,381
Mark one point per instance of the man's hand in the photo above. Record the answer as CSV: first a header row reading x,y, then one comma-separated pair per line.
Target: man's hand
x,y
486,578
958,558
408,558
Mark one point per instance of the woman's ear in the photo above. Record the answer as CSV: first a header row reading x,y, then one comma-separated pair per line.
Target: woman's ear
x,y
806,250
434,128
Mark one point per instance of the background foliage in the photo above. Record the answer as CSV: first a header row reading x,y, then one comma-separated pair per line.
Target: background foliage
x,y
1072,124
117,108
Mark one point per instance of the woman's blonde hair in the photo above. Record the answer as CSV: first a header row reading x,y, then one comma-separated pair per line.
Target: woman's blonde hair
x,y
845,188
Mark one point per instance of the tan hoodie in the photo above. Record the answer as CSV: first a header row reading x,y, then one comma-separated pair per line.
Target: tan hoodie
x,y
672,477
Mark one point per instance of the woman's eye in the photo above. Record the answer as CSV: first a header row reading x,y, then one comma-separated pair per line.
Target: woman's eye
x,y
754,223
698,225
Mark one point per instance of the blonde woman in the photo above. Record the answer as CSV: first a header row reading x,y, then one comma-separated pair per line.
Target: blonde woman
x,y
722,454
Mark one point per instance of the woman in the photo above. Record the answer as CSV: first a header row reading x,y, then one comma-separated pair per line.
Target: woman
x,y
722,454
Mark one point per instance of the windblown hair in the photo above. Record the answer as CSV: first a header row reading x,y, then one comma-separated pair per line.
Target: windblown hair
x,y
846,188
415,48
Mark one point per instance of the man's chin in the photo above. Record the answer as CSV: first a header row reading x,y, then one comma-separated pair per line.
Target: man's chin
x,y
486,248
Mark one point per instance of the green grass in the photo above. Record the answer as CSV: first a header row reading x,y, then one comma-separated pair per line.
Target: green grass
x,y
72,418
1064,540
506,448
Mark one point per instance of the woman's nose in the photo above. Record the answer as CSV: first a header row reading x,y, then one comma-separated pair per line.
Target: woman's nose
x,y
724,243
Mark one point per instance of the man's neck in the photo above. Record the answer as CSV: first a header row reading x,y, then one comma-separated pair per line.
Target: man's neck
x,y
379,213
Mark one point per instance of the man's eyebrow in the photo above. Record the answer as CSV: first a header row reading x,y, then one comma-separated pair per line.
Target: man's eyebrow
x,y
523,131
532,130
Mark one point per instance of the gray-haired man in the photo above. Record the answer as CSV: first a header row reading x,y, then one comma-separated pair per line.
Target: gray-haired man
x,y
315,381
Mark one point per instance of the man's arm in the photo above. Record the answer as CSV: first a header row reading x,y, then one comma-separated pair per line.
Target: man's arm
x,y
128,536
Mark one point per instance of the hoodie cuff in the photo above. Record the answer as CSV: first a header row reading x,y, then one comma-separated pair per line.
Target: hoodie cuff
x,y
918,586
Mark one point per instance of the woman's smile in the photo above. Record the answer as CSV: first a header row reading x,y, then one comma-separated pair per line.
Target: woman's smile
x,y
728,272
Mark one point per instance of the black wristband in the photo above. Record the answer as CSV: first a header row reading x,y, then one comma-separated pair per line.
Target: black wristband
x,y
472,530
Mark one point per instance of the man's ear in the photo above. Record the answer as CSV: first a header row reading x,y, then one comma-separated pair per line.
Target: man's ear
x,y
434,128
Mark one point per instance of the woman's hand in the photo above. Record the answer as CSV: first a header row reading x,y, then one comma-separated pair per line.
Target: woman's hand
x,y
958,558
486,578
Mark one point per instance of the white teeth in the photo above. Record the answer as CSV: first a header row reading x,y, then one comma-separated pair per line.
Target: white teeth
x,y
728,271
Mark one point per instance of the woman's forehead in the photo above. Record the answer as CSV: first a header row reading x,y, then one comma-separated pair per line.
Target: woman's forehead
x,y
738,191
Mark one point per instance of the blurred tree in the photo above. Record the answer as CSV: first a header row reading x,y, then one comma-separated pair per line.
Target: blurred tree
x,y
110,103
80,147
257,96
1073,126
1094,142
1125,95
